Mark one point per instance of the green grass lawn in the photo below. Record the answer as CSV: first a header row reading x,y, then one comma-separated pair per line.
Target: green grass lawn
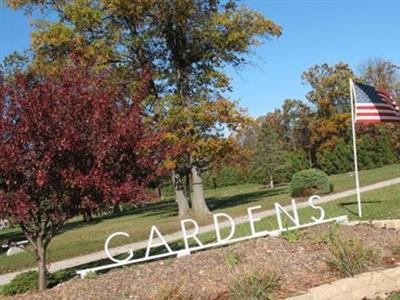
x,y
378,204
79,238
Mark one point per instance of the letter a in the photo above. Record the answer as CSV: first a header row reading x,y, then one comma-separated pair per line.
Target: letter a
x,y
150,243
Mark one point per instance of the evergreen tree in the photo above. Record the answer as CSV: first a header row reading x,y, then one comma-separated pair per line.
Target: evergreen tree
x,y
270,151
339,159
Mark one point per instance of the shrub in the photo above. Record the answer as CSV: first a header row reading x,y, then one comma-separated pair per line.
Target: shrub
x,y
24,282
349,256
310,182
28,281
255,285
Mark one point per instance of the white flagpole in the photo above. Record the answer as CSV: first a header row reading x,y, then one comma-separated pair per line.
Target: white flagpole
x,y
353,127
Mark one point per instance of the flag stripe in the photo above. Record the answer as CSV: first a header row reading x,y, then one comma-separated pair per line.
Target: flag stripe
x,y
383,111
380,117
376,114
358,105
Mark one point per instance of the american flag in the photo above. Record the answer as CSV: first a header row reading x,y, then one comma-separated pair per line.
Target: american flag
x,y
374,105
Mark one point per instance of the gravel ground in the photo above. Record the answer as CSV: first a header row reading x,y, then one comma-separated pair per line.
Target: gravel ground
x,y
300,265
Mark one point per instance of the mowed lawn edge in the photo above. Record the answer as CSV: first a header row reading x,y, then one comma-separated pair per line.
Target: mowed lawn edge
x,y
80,239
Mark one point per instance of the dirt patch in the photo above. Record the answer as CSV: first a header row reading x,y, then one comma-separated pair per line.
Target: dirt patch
x,y
300,265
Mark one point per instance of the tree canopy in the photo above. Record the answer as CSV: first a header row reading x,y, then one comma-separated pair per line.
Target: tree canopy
x,y
186,44
71,143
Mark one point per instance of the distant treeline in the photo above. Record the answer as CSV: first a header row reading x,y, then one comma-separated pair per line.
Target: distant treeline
x,y
313,133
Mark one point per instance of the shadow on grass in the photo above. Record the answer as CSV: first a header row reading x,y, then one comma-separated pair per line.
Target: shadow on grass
x,y
164,209
235,200
345,205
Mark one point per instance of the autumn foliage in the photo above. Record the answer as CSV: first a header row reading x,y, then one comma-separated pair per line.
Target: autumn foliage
x,y
69,144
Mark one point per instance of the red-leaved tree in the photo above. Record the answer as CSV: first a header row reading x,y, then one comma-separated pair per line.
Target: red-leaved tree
x,y
69,144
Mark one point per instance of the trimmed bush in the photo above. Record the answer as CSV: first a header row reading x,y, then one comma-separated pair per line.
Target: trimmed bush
x,y
310,182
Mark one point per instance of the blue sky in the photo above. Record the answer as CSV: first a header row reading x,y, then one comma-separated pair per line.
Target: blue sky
x,y
314,32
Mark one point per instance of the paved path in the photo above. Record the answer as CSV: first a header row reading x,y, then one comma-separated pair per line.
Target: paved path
x,y
76,261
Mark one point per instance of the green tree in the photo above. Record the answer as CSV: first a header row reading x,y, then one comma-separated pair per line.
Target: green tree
x,y
375,151
339,159
269,155
384,74
295,161
330,100
330,88
296,118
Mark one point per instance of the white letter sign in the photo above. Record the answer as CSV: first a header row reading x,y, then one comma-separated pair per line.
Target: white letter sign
x,y
108,253
295,218
187,236
217,229
322,215
156,239
253,220
150,242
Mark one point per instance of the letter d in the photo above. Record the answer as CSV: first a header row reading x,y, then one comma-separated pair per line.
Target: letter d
x,y
217,228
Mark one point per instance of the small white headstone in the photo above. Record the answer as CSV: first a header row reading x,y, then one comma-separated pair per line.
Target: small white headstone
x,y
14,250
4,224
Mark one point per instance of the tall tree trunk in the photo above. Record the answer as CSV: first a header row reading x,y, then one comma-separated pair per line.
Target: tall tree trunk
x,y
116,209
293,141
87,216
271,181
199,205
188,189
310,159
160,192
180,198
41,261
